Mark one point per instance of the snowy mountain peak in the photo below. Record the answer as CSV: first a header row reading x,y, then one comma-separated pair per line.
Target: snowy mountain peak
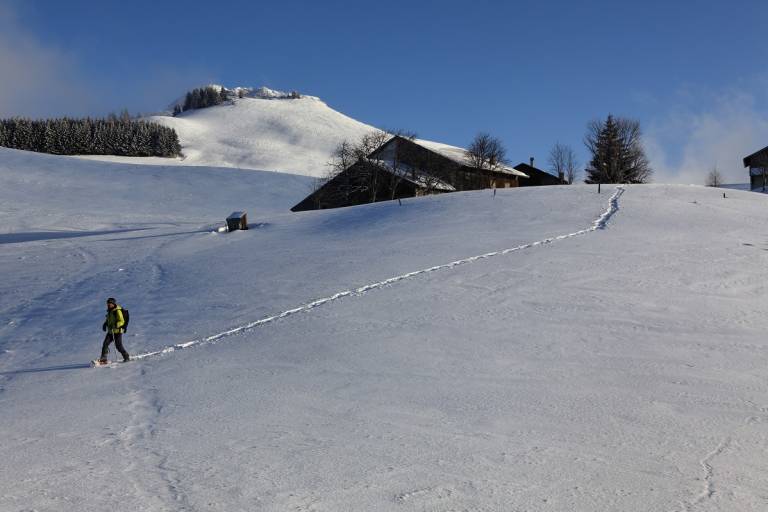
x,y
240,92
266,92
262,92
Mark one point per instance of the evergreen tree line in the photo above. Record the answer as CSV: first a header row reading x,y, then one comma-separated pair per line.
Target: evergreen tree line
x,y
201,98
111,136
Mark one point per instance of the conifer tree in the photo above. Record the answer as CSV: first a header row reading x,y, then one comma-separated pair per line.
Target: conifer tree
x,y
187,101
617,152
22,134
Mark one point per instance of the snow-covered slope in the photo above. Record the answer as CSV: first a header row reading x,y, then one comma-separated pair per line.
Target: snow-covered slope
x,y
51,192
264,131
288,135
581,370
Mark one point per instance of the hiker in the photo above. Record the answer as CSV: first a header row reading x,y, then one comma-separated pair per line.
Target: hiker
x,y
113,326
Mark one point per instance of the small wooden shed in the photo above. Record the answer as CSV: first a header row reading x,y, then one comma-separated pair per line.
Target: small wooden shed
x,y
237,220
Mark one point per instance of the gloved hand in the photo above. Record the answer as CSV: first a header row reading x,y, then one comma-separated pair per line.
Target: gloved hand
x,y
104,327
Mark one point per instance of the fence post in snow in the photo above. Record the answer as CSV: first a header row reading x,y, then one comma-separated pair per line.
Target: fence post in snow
x,y
494,193
598,188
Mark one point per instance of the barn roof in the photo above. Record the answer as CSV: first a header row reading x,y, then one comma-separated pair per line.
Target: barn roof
x,y
419,178
460,156
748,160
531,171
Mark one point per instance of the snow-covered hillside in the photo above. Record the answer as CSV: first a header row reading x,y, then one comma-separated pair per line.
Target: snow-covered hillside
x,y
264,131
483,353
51,192
289,135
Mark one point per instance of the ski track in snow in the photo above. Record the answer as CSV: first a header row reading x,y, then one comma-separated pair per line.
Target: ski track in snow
x,y
154,483
709,489
599,224
709,472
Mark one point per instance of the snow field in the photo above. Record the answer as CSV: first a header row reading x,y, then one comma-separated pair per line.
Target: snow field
x,y
621,370
599,223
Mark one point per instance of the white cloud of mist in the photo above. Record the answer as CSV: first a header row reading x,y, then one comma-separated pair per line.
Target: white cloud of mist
x,y
703,131
40,80
37,80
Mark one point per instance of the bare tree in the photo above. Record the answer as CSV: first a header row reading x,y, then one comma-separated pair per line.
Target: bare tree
x,y
571,167
372,170
399,170
372,175
337,186
562,160
714,178
617,152
341,158
486,152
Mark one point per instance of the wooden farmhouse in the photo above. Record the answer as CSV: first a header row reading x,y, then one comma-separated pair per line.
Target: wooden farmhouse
x,y
538,177
404,167
758,169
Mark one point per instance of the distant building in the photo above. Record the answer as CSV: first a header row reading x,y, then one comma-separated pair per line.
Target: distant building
x,y
538,177
404,167
758,169
371,181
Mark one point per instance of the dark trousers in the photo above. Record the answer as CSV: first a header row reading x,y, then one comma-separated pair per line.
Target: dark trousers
x,y
117,337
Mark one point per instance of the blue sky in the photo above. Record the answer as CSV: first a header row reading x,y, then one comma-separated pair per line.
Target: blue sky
x,y
532,73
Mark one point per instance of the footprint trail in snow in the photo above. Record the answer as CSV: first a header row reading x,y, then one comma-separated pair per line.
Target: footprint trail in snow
x,y
599,224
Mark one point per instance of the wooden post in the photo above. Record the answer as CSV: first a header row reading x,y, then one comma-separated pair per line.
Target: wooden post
x,y
598,188
494,193
399,202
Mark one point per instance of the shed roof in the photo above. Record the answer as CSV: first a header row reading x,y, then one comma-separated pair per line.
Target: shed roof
x,y
531,170
236,215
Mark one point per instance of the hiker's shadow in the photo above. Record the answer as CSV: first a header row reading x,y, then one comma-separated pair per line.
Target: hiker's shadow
x,y
59,368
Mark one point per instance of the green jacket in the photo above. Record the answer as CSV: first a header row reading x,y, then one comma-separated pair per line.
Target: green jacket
x,y
115,320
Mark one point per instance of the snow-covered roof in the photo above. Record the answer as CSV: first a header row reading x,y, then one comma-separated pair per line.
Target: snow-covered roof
x,y
461,156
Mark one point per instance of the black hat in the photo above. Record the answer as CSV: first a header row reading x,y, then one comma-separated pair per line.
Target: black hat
x,y
111,300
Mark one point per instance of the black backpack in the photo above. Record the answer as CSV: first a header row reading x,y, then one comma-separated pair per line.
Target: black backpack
x,y
126,318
